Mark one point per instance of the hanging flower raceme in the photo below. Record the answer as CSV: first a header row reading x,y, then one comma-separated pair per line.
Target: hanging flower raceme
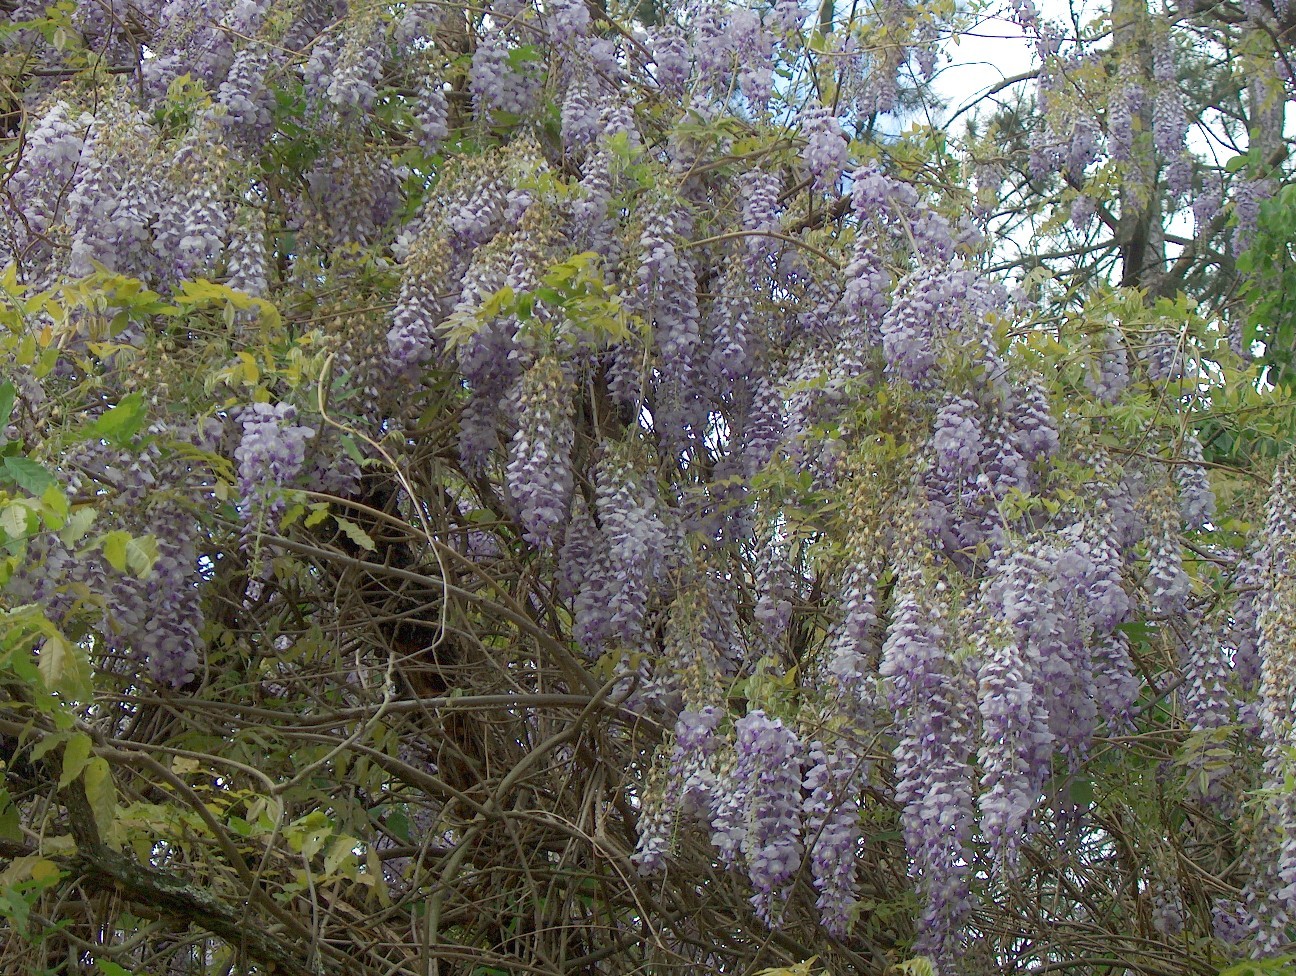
x,y
269,455
539,468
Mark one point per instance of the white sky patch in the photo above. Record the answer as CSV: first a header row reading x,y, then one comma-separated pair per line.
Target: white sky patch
x,y
995,50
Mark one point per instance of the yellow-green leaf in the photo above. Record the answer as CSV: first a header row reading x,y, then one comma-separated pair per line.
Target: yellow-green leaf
x,y
64,666
55,659
355,533
101,792
14,521
141,554
77,525
75,756
114,549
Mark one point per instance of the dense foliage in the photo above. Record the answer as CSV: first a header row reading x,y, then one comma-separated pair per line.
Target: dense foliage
x,y
568,488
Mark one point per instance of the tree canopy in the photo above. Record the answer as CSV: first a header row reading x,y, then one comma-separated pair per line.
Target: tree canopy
x,y
562,487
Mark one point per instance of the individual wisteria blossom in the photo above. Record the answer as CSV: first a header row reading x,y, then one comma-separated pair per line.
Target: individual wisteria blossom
x,y
656,829
1169,122
1084,147
567,21
826,149
168,638
110,207
539,468
190,231
269,455
1170,119
1229,921
786,16
752,46
1048,150
351,197
910,325
689,790
692,773
1244,633
486,359
1167,909
477,219
351,85
766,426
318,70
712,46
1178,175
767,778
958,438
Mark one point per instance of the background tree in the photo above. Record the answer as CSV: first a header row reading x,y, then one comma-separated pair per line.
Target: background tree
x,y
562,488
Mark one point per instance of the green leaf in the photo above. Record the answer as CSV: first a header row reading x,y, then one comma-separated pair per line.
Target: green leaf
x,y
10,827
1274,966
355,533
108,968
352,451
121,422
7,395
399,825
28,475
75,756
1082,792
